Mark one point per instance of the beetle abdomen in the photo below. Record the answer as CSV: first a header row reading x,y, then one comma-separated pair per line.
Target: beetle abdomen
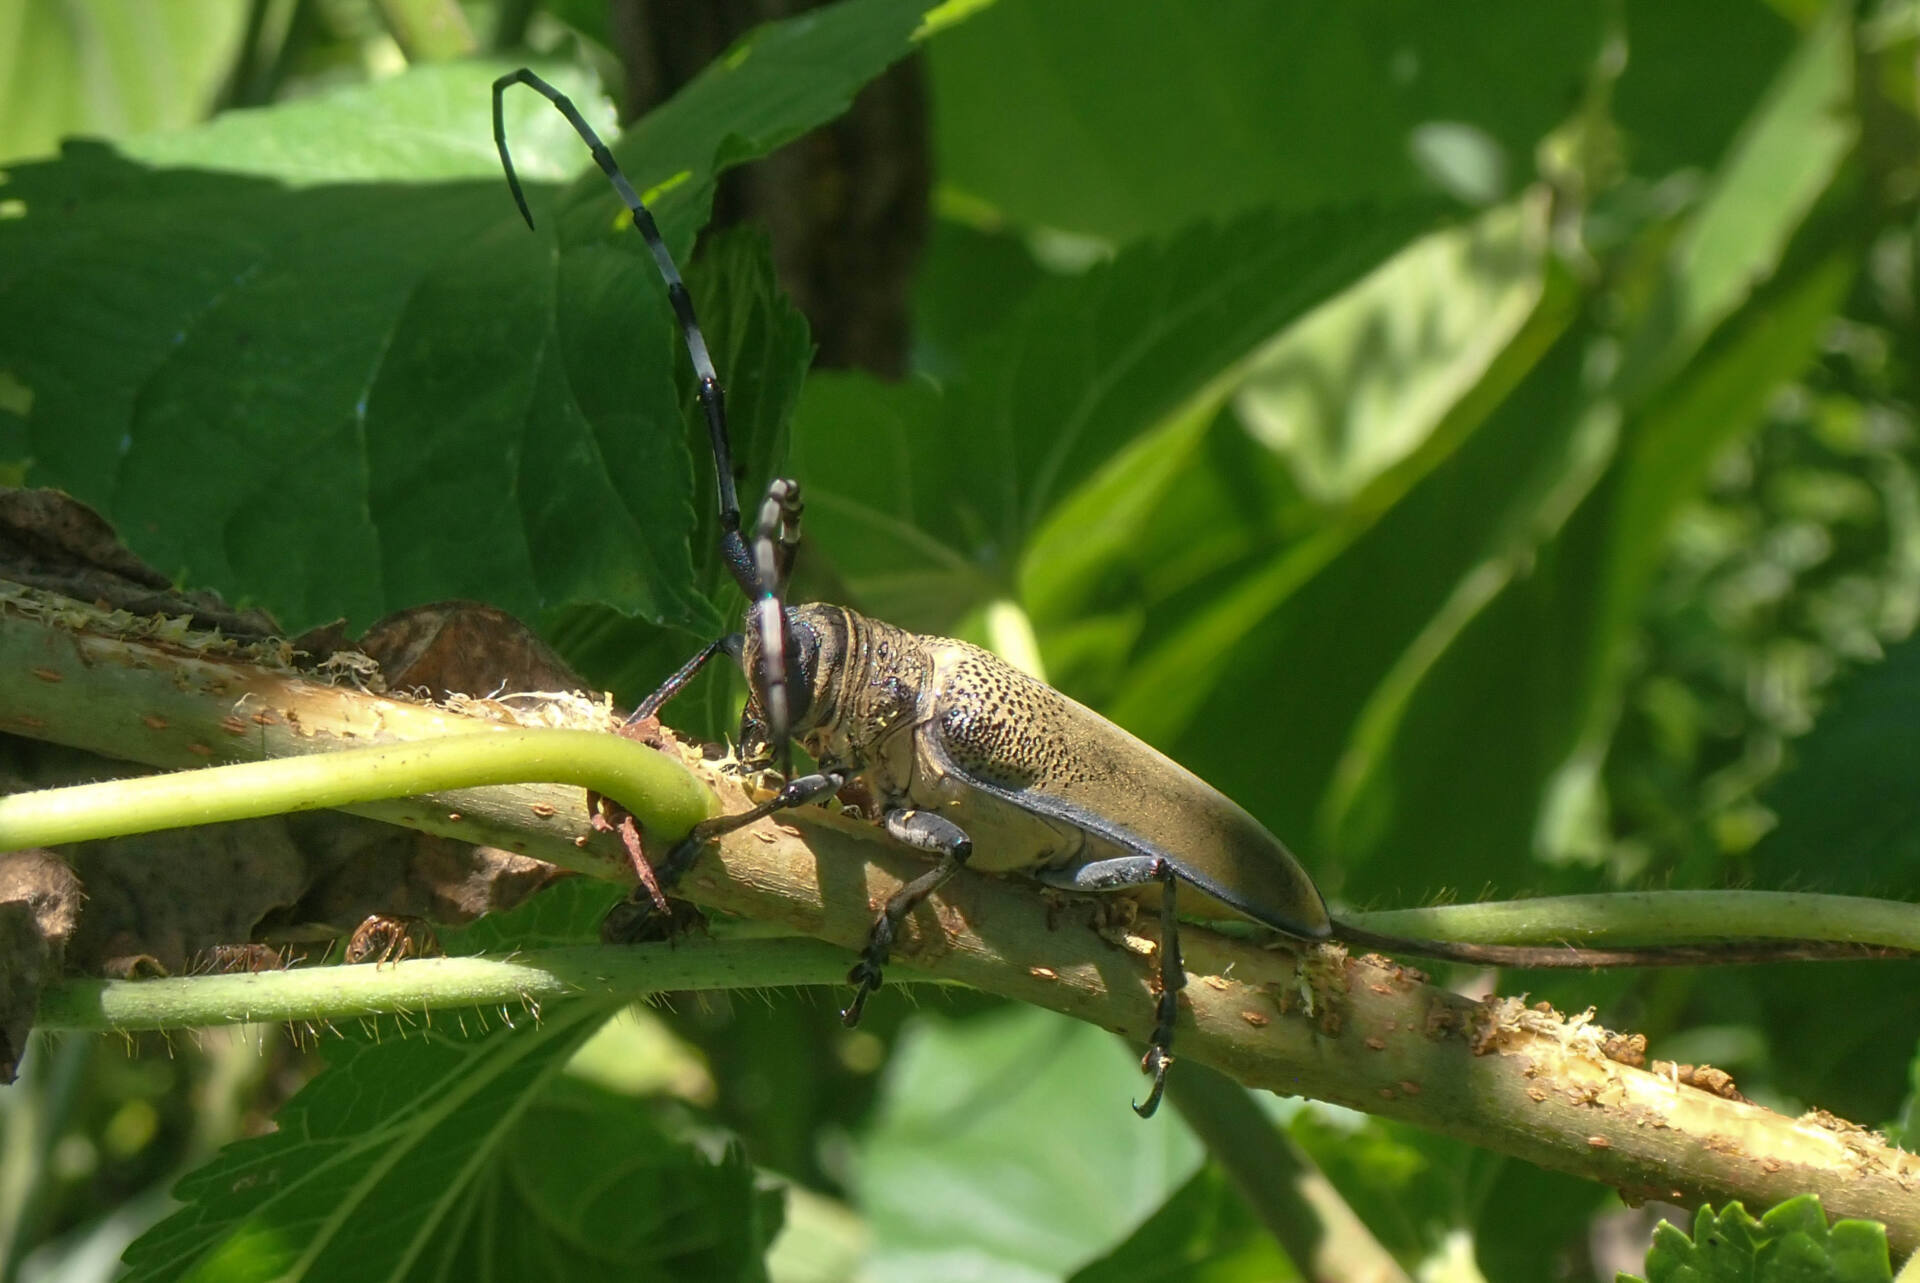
x,y
1025,743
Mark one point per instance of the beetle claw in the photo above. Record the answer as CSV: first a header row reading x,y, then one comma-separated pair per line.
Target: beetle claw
x,y
865,978
1155,1062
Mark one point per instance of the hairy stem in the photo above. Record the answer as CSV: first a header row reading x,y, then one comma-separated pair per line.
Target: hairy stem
x,y
1354,1031
1659,917
439,984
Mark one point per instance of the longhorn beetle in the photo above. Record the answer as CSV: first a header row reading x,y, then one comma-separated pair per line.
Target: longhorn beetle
x,y
980,765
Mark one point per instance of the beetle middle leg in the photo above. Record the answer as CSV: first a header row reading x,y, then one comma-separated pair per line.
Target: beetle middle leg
x,y
640,920
924,831
1134,871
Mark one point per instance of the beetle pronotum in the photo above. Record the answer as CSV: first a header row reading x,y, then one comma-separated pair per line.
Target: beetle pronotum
x,y
977,764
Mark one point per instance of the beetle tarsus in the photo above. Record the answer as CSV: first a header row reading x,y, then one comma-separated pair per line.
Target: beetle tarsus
x,y
1160,1046
1173,978
1155,1062
924,831
865,978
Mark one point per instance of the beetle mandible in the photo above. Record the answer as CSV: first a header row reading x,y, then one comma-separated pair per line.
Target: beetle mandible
x,y
979,765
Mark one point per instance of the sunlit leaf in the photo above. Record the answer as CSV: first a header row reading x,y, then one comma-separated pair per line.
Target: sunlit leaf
x,y
333,372
1792,1243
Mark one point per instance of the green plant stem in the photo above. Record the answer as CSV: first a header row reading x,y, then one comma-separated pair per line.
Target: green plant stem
x,y
319,994
660,792
1660,917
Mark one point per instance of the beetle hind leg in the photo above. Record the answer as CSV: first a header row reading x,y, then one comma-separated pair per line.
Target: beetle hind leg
x,y
1173,978
1118,874
924,831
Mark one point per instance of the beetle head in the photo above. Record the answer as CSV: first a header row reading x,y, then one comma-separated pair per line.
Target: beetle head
x,y
779,652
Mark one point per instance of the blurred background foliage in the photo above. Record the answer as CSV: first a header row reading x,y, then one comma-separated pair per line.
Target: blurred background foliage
x,y
1482,443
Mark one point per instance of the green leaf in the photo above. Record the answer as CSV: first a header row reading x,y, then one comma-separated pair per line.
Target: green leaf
x,y
1205,1233
1406,345
448,1152
1460,619
1353,402
1370,604
1003,1148
864,447
1787,155
754,331
336,379
1524,1216
375,1165
589,1187
1414,1190
1678,109
98,67
1904,1130
1847,811
1790,1244
773,85
567,913
959,484
968,283
1123,119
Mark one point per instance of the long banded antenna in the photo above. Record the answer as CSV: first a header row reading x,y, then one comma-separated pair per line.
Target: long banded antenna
x,y
764,584
712,395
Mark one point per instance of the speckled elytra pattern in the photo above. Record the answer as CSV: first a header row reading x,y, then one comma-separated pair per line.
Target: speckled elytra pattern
x,y
1004,727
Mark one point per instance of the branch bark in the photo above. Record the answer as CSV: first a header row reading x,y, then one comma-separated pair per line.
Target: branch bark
x,y
1356,1031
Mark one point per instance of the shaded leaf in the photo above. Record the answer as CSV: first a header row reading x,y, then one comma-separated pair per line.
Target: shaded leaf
x,y
1004,1148
568,912
1205,1233
1904,1130
1678,109
1787,154
335,1191
588,1187
1118,120
1848,810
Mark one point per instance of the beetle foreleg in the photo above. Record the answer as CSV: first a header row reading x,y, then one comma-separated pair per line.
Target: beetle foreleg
x,y
1134,871
924,831
796,792
686,673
